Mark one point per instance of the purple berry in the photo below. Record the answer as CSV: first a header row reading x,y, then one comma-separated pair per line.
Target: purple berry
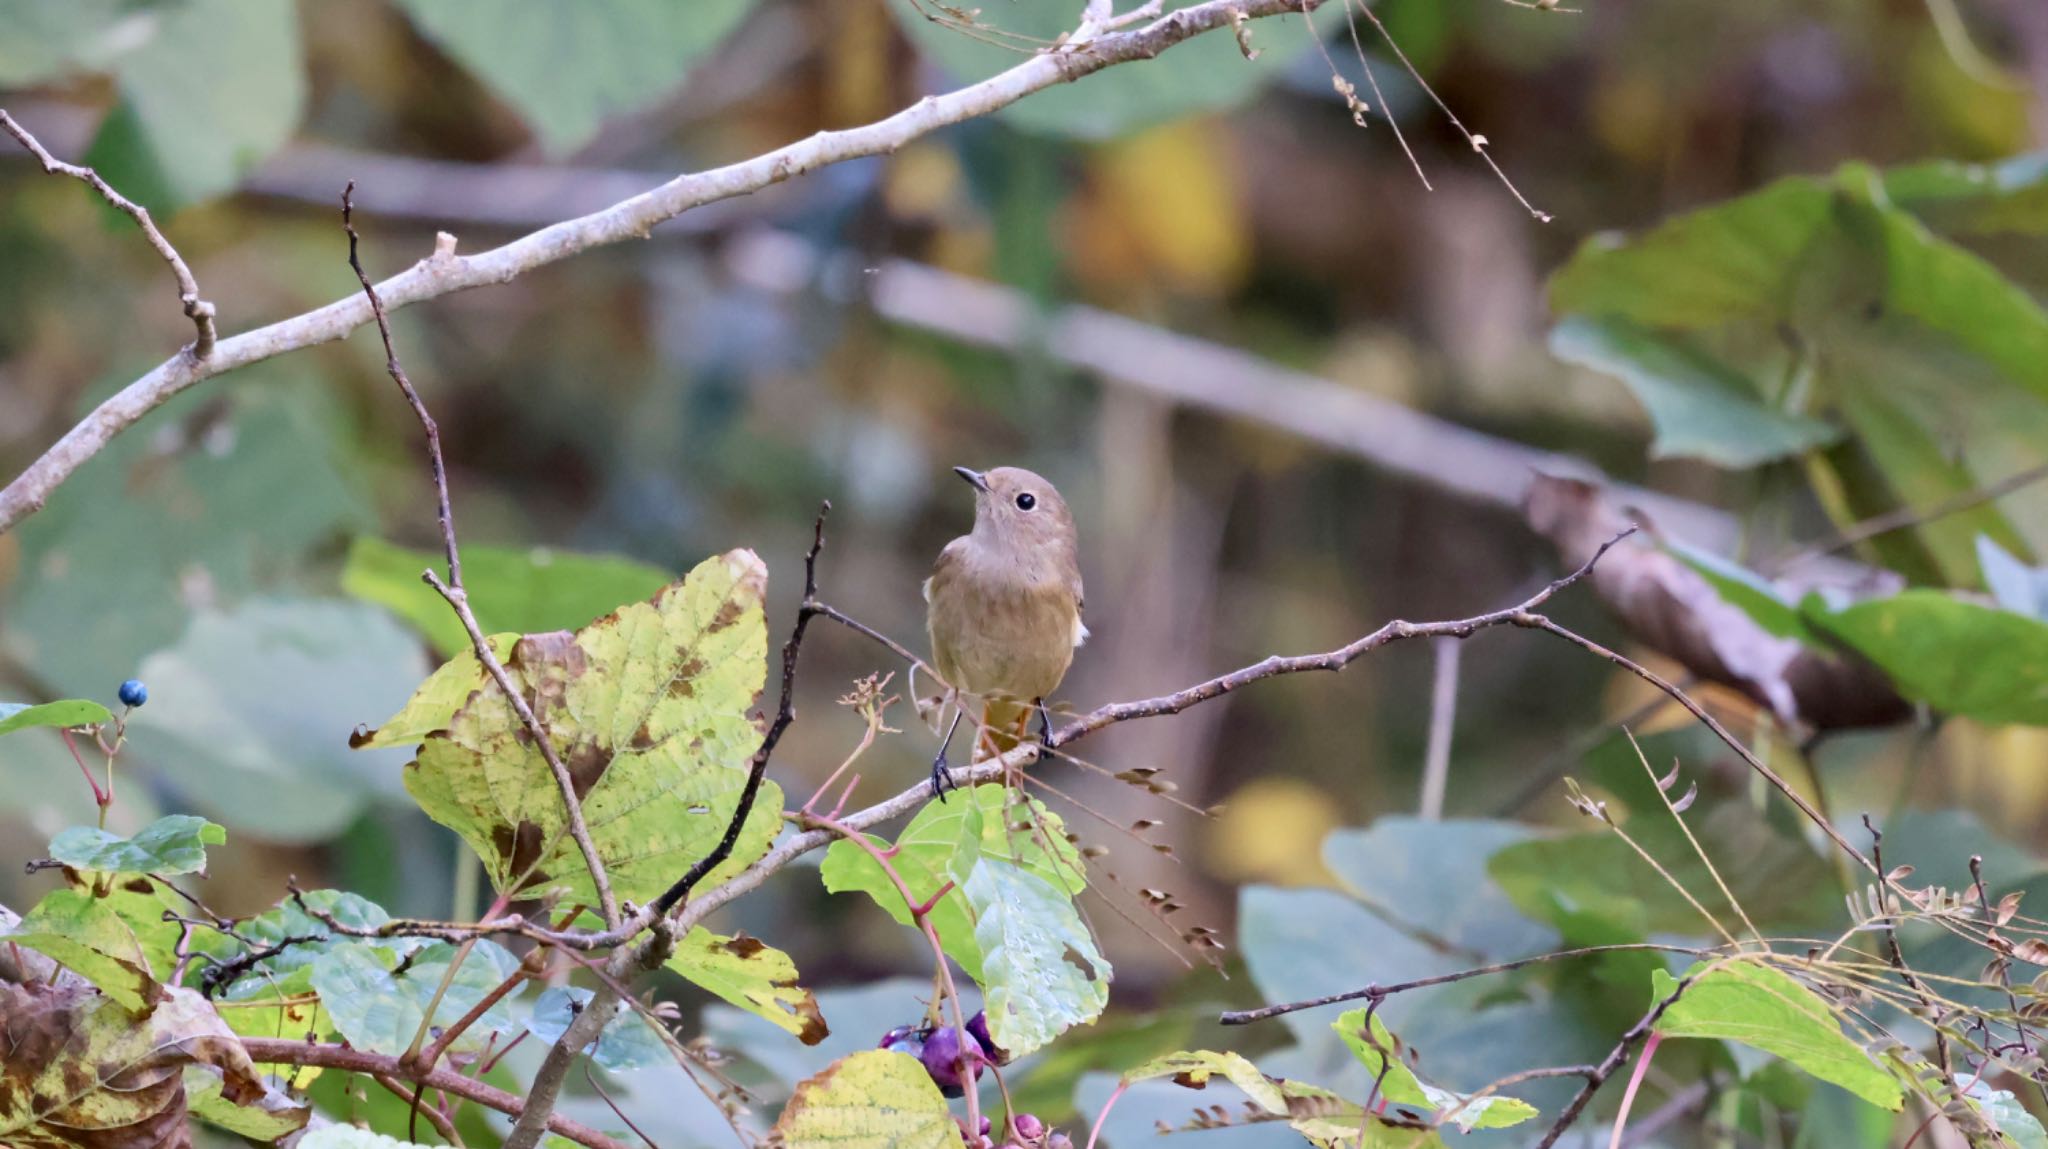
x,y
943,1053
1027,1126
986,1125
978,1026
1059,1141
903,1039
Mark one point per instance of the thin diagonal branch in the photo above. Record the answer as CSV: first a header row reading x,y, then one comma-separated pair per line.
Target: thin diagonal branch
x,y
445,272
458,598
198,310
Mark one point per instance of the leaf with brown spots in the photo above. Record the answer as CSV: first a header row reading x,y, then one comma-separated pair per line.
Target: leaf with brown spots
x,y
648,708
79,1071
870,1100
85,935
752,975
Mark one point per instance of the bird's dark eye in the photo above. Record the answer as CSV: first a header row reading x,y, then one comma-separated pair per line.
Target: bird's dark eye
x,y
1026,501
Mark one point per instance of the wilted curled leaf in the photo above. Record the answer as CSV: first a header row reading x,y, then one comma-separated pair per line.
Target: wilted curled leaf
x,y
752,975
1673,609
1380,1051
871,1100
648,710
78,1069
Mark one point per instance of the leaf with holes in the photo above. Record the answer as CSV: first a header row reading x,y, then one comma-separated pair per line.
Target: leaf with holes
x,y
871,1100
1382,1057
648,710
943,843
1761,1007
171,845
83,1070
752,975
1041,972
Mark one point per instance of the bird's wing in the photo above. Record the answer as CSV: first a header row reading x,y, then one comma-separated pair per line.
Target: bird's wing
x,y
1080,610
943,566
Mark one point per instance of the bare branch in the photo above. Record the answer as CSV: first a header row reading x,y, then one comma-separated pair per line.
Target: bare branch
x,y
291,1051
446,272
458,598
198,310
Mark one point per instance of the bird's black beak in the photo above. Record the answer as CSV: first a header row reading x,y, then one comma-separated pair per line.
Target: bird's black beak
x,y
975,477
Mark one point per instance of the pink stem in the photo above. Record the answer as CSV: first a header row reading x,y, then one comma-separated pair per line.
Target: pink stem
x,y
1095,1130
1628,1096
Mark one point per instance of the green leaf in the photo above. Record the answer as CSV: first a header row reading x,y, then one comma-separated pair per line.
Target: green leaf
x,y
1752,593
1041,971
379,1010
67,714
81,932
1957,657
2007,198
2017,587
170,845
943,843
288,920
626,1043
871,1100
253,709
565,70
1205,74
47,41
265,1119
2004,1113
1952,290
752,975
1430,877
1399,1083
519,590
1701,408
648,707
217,89
1316,1113
1735,260
230,503
1764,1008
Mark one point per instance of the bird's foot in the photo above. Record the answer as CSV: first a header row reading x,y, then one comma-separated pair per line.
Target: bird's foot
x,y
942,777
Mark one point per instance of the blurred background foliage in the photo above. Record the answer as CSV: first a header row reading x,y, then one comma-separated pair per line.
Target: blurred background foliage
x,y
249,550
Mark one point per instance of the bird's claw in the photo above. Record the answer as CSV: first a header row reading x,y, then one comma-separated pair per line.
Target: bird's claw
x,y
942,778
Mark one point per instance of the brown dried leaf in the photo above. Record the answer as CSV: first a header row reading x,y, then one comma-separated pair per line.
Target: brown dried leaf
x,y
1670,608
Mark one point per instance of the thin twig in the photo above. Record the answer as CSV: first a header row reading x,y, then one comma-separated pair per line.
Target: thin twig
x,y
1615,1059
1902,517
198,310
291,1051
458,597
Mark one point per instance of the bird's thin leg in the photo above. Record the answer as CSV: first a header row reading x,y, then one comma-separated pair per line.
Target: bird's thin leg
x,y
1044,726
940,778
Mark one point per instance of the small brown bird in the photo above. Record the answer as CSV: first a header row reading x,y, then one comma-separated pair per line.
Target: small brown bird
x,y
1005,606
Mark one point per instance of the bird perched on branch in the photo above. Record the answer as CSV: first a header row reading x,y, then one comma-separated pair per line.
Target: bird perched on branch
x,y
1005,609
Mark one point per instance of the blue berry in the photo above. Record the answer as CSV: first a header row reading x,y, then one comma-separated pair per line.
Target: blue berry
x,y
134,693
903,1039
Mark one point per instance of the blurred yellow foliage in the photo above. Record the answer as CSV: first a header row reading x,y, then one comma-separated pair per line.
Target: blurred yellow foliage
x,y
1164,208
1272,830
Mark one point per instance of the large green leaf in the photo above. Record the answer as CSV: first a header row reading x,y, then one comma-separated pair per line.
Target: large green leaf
x,y
519,590
82,933
1381,1054
254,705
1701,408
214,91
2010,197
1041,971
66,714
46,41
171,845
566,68
943,843
870,1100
381,1010
1957,657
1734,260
212,507
1430,878
1766,1009
1208,73
626,1043
752,975
648,708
